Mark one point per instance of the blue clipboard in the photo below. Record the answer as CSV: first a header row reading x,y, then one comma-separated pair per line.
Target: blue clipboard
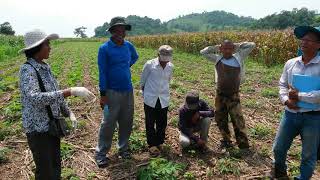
x,y
305,83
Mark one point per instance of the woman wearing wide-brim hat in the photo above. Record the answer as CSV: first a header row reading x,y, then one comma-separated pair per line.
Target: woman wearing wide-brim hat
x,y
42,101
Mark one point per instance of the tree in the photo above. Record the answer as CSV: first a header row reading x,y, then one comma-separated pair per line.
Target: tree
x,y
6,29
80,31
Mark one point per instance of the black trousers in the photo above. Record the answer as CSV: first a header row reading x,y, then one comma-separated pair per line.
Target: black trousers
x,y
46,155
156,123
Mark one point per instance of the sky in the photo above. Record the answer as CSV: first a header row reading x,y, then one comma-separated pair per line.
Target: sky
x,y
63,16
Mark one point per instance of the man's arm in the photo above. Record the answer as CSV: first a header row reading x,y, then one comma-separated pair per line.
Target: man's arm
x,y
134,55
144,75
102,66
310,97
205,110
211,52
183,126
244,48
283,85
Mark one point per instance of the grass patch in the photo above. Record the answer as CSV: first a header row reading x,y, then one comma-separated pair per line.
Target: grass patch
x,y
270,92
138,141
69,174
160,168
4,155
260,131
228,165
66,150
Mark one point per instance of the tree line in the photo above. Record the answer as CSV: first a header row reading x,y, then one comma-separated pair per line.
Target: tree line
x,y
215,21
202,22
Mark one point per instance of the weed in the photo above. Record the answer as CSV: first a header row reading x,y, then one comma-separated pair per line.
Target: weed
x,y
4,155
69,174
160,168
138,141
260,131
66,150
228,165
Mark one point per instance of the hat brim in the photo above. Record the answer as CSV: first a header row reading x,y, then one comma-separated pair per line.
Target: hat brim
x,y
127,26
48,37
165,58
301,31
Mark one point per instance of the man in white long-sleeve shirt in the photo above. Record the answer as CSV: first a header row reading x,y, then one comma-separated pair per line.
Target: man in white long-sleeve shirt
x,y
297,120
154,83
229,59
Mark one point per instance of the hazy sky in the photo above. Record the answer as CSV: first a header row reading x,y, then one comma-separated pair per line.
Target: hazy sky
x,y
63,16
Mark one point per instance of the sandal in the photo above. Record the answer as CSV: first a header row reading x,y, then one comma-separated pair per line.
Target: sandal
x,y
154,151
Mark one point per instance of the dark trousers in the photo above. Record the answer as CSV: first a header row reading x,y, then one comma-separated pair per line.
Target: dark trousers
x,y
156,123
318,153
46,155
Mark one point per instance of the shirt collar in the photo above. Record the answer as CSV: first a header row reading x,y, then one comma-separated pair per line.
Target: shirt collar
x,y
157,62
37,65
114,44
314,60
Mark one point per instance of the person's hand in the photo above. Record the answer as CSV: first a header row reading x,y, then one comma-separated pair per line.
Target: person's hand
x,y
103,101
195,117
82,92
141,93
293,93
292,104
201,143
73,120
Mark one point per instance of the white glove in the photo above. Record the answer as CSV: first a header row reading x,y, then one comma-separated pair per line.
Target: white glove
x,y
73,120
82,92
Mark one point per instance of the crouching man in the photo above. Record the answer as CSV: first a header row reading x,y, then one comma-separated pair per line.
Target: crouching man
x,y
194,117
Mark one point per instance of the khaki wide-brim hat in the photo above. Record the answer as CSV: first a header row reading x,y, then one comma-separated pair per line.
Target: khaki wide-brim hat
x,y
36,37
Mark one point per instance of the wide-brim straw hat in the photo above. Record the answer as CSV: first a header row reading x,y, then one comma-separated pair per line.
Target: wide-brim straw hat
x,y
36,37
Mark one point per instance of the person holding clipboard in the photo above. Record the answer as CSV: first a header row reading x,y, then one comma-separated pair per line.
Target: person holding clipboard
x,y
297,119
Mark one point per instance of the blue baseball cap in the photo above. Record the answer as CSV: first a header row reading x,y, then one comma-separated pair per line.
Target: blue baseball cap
x,y
301,31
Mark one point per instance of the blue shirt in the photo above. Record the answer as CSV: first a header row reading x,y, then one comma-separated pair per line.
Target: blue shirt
x,y
114,62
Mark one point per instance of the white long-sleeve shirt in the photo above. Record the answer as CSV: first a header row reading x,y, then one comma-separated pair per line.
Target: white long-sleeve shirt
x,y
155,83
296,66
242,50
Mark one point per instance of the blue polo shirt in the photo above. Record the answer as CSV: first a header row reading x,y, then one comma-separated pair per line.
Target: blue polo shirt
x,y
114,64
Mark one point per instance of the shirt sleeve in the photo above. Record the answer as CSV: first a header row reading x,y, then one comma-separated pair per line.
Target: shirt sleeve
x,y
245,49
310,97
102,66
134,54
211,53
63,106
29,86
144,75
283,85
205,110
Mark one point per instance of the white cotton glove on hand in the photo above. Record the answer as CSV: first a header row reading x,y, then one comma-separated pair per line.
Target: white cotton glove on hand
x,y
82,92
73,120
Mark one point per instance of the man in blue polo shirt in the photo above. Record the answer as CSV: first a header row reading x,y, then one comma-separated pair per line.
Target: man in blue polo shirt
x,y
115,57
